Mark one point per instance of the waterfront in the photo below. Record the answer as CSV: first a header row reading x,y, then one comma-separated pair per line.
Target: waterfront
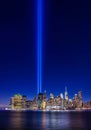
x,y
37,120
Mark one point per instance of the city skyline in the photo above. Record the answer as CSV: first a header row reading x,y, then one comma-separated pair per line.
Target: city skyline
x,y
63,94
42,102
66,48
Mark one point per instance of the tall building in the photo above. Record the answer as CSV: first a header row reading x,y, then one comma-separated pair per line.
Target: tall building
x,y
34,104
80,99
51,96
66,94
24,99
44,95
61,95
16,102
80,95
62,100
77,102
40,99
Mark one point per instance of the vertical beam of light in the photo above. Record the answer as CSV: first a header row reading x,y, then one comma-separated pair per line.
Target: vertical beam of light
x,y
39,46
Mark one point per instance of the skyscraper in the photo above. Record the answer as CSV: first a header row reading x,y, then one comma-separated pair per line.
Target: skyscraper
x,y
66,94
16,102
24,99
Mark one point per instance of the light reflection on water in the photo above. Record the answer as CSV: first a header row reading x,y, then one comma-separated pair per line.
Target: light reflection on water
x,y
55,119
16,120
45,120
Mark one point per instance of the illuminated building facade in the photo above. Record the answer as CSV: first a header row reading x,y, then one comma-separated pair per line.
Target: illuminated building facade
x,y
41,102
24,99
16,102
77,100
66,94
43,105
35,104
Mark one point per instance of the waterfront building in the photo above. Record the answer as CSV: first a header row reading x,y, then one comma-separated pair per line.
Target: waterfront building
x,y
35,104
70,104
77,100
40,99
29,105
50,101
80,99
87,105
24,99
53,103
43,104
62,100
16,102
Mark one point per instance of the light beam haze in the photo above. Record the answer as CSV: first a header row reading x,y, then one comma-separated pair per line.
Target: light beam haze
x,y
39,46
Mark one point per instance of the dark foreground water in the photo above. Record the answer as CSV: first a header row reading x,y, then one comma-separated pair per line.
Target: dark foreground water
x,y
16,120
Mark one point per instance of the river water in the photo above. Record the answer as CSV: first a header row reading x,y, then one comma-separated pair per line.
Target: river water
x,y
29,120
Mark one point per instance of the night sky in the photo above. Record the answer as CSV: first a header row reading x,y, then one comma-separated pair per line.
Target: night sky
x,y
66,48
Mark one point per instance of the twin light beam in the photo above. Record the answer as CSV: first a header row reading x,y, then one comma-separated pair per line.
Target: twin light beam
x,y
39,46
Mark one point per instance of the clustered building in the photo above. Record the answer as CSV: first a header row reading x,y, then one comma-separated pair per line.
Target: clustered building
x,y
61,102
87,105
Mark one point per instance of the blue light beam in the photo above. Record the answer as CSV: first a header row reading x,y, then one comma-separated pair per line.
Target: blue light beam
x,y
39,46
